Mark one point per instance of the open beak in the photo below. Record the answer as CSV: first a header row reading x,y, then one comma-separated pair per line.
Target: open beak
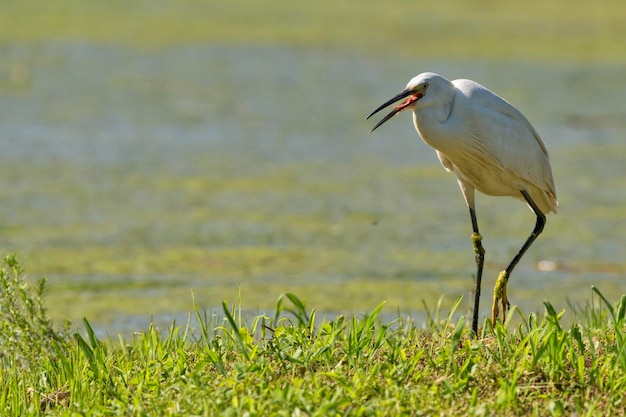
x,y
413,97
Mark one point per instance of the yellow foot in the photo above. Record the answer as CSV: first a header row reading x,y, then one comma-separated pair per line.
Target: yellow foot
x,y
476,241
499,294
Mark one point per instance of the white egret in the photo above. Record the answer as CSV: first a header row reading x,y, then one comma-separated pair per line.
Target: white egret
x,y
490,146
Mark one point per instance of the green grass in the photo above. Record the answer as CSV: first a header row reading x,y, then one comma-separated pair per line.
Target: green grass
x,y
531,31
293,363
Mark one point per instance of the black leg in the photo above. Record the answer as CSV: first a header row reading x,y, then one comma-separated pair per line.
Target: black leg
x,y
499,292
480,260
541,222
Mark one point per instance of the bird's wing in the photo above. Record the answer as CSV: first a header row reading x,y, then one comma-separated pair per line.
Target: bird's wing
x,y
510,139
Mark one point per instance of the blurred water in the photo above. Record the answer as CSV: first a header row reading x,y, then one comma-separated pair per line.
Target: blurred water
x,y
85,127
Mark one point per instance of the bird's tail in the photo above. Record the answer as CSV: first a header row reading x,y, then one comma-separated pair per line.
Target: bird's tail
x,y
545,200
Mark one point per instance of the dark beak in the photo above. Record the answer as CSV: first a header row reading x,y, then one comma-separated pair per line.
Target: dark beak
x,y
399,96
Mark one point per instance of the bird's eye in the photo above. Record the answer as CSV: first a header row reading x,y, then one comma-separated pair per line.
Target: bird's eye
x,y
425,86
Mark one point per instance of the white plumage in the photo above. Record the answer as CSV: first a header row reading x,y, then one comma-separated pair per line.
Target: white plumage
x,y
489,145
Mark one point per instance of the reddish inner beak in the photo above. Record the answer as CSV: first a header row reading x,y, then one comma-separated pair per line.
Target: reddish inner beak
x,y
412,99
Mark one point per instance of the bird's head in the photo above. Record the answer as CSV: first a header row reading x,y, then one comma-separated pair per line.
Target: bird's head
x,y
415,90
